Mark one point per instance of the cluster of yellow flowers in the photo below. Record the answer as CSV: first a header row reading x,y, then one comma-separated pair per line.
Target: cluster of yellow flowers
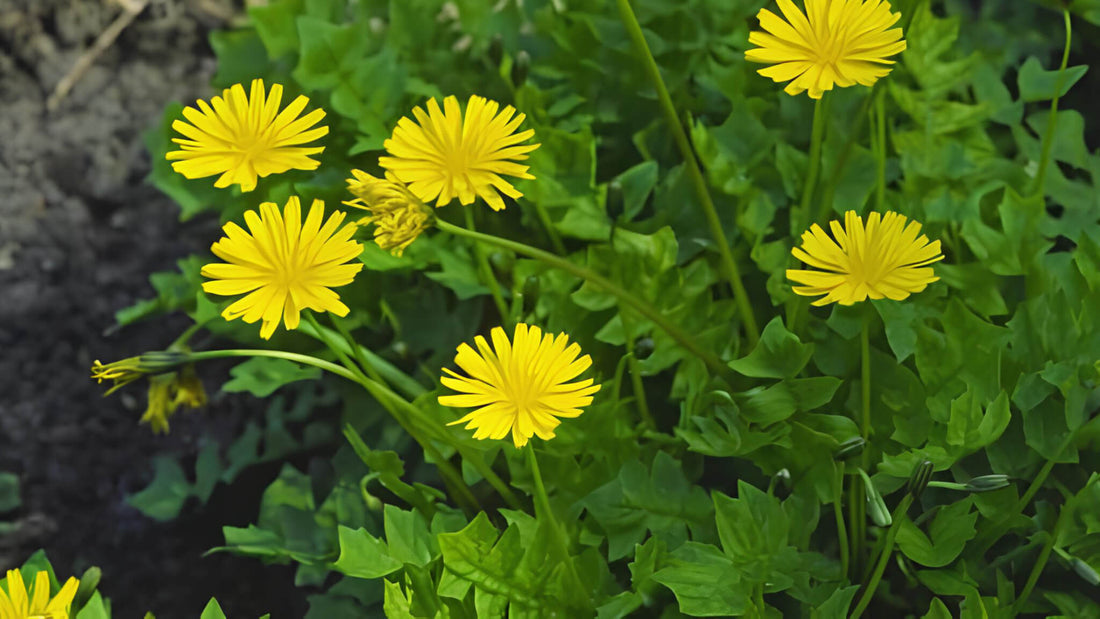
x,y
283,265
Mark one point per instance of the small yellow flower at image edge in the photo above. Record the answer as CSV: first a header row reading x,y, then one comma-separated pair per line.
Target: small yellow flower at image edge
x,y
283,265
245,137
17,602
835,42
889,258
446,155
521,386
398,216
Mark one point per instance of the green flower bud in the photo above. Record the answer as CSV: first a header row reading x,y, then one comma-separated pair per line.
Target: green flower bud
x,y
876,507
496,50
918,481
520,67
1085,571
987,483
850,448
643,348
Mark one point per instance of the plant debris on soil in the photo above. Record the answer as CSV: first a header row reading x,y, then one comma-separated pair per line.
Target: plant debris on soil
x,y
80,232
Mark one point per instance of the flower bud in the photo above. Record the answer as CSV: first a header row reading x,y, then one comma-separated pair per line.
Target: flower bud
x,y
643,348
876,507
850,448
399,217
918,481
1085,571
987,483
496,49
520,67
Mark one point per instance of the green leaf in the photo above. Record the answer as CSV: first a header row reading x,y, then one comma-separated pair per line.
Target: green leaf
x,y
329,53
364,556
704,582
261,376
213,610
1038,84
276,25
970,427
637,183
241,58
408,537
937,610
952,527
164,497
780,354
754,530
9,492
836,607
97,608
660,500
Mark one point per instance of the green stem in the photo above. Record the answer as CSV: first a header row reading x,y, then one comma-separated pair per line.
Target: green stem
x,y
1044,556
838,513
636,383
487,274
356,349
855,130
880,151
543,510
393,376
857,523
1048,138
817,134
187,334
327,366
883,558
710,359
544,219
865,383
733,273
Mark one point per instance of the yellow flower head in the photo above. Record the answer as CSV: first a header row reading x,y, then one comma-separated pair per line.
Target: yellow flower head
x,y
19,603
244,137
841,42
398,215
130,369
521,387
444,155
887,259
283,264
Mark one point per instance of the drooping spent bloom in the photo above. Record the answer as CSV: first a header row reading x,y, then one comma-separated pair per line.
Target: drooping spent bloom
x,y
20,603
398,216
522,386
168,392
445,155
283,264
245,137
128,370
835,42
886,259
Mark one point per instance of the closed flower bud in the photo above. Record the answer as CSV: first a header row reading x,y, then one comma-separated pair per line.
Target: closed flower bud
x,y
520,68
1085,571
643,348
850,448
876,507
918,481
987,483
496,49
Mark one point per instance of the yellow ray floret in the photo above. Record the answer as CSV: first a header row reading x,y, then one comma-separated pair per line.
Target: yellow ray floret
x,y
399,217
835,42
243,138
445,155
520,386
19,603
283,265
887,259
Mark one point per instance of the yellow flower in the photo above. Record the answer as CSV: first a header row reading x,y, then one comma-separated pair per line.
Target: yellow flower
x,y
130,369
19,603
283,264
167,393
447,156
887,259
244,137
841,42
522,387
398,215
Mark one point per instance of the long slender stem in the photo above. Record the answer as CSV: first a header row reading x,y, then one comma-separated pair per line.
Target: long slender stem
x,y
865,429
636,383
1044,556
838,514
1048,138
645,309
880,151
356,349
543,509
817,134
854,132
883,558
544,219
733,273
487,275
327,366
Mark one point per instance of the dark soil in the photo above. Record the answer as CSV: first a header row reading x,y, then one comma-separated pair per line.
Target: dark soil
x,y
80,232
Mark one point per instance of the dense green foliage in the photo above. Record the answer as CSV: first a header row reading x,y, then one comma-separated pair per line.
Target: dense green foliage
x,y
724,505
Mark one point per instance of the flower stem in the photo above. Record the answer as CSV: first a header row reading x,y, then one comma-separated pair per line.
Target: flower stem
x,y
487,275
645,309
883,558
543,510
636,383
356,349
855,130
544,219
733,273
327,366
1044,556
1048,137
880,151
865,429
817,133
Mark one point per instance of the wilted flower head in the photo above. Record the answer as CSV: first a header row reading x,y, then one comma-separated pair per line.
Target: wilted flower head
x,y
168,392
399,217
283,264
521,387
132,368
444,155
835,42
887,259
245,137
18,602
